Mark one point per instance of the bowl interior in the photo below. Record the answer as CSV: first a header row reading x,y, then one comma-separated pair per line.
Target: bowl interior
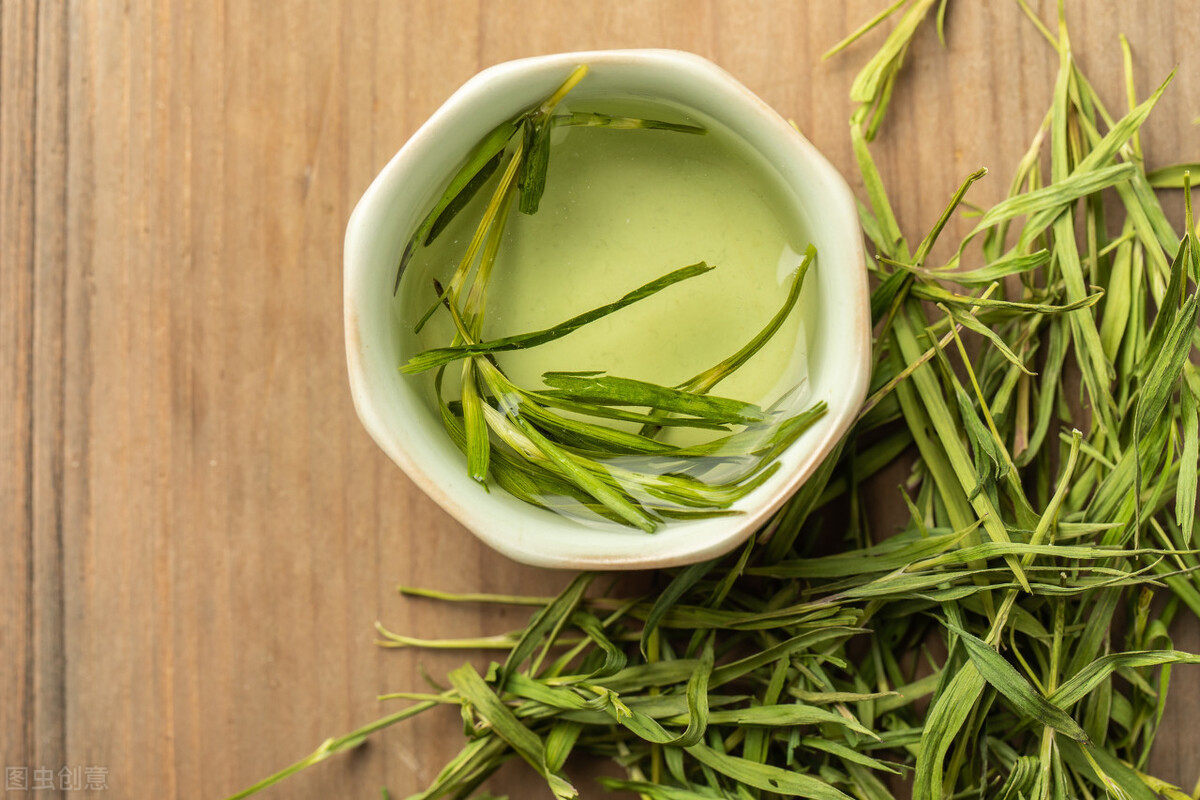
x,y
395,409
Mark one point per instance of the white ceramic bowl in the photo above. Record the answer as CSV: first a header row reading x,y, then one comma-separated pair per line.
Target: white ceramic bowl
x,y
401,420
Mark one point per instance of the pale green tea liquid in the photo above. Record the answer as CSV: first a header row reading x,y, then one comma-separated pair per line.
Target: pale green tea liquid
x,y
621,208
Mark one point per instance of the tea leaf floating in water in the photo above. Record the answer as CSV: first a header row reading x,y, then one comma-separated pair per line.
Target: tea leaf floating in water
x,y
567,445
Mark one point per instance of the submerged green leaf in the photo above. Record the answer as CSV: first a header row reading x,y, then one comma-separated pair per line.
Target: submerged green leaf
x,y
538,124
481,161
588,119
444,355
611,390
706,380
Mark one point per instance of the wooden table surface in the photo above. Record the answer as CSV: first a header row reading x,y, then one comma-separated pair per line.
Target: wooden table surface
x,y
197,533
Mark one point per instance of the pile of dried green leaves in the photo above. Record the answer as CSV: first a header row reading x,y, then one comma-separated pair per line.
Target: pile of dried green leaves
x,y
974,653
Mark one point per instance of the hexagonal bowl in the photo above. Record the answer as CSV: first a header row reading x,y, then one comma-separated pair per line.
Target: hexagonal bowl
x,y
401,420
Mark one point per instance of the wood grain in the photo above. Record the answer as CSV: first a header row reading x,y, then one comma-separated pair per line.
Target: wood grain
x,y
198,535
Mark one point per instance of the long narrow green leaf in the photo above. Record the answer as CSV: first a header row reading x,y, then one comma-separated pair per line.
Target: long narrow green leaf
x,y
1124,130
547,620
532,177
658,791
862,30
1056,196
475,426
1185,498
957,459
697,701
930,238
461,200
947,714
888,556
1090,676
706,380
1121,777
559,743
443,355
765,777
969,321
1171,177
996,270
589,119
683,581
616,413
1168,306
889,229
462,185
502,721
1005,679
1161,380
581,472
940,295
872,84
601,388
784,716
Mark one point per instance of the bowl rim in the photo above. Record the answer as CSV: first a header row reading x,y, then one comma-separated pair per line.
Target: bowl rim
x,y
625,554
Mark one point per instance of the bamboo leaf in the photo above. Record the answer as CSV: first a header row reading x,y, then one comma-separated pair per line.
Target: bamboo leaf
x,y
532,177
872,84
609,389
881,207
706,380
475,426
929,240
465,183
614,657
1171,177
683,581
589,119
1005,679
1166,368
785,716
847,754
994,271
765,777
501,721
697,701
940,295
971,323
862,30
1168,306
1124,130
1088,678
461,200
429,359
1113,775
1053,199
1185,498
947,715
583,474
559,743
546,622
